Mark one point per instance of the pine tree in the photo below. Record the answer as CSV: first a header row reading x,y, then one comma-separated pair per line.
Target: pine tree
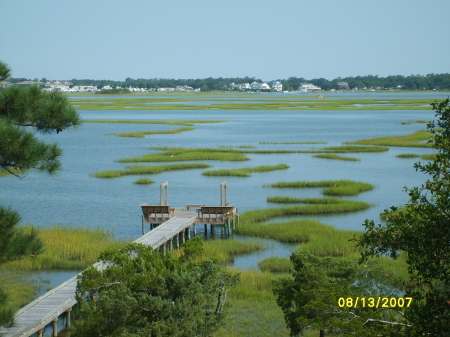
x,y
22,111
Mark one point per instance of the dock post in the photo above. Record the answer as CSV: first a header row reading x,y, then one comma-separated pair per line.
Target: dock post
x,y
177,241
183,238
40,332
171,244
206,230
188,232
195,230
68,321
55,327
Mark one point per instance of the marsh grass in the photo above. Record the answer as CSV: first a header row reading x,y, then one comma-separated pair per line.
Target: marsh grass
x,y
143,181
186,154
432,156
253,308
172,102
407,155
244,172
142,134
148,169
417,139
224,250
354,149
237,146
416,122
330,187
292,143
67,248
19,287
253,223
276,265
183,123
335,156
170,154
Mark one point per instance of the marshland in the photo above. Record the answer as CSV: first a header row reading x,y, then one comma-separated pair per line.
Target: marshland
x,y
290,196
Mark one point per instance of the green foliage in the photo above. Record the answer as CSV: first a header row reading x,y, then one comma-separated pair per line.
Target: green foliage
x,y
421,231
20,151
139,292
310,298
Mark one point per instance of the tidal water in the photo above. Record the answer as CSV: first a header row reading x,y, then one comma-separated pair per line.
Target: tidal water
x,y
75,198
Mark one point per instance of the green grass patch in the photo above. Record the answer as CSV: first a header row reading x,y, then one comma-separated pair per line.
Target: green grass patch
x,y
432,156
416,122
142,134
292,143
407,155
292,200
335,156
143,181
330,187
253,222
148,169
276,265
19,288
185,154
67,248
244,172
224,250
253,309
417,139
183,123
354,149
222,101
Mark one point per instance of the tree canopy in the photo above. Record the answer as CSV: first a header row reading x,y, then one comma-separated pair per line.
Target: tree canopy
x,y
421,230
23,111
140,292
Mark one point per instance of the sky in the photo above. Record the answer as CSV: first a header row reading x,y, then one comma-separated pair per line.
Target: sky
x,y
269,40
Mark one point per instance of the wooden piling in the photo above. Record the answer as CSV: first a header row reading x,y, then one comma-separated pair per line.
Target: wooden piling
x,y
55,327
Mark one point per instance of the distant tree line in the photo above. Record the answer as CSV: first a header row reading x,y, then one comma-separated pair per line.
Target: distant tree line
x,y
412,82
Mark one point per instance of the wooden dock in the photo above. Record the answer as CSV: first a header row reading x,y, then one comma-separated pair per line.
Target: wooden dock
x,y
166,233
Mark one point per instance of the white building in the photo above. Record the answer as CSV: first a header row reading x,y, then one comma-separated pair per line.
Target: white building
x,y
242,86
308,87
260,86
277,86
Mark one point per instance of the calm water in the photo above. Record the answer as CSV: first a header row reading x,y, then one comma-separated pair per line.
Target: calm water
x,y
74,198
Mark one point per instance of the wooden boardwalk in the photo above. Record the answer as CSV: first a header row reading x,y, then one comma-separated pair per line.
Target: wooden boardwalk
x,y
46,309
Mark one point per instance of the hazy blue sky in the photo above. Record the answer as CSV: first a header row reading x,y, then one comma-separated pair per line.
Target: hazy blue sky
x,y
109,39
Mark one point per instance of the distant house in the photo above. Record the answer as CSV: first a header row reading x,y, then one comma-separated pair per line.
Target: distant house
x,y
343,86
183,88
260,86
4,84
308,87
277,86
242,86
58,85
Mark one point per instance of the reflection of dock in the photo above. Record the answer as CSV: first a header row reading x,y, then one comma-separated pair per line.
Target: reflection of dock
x,y
170,227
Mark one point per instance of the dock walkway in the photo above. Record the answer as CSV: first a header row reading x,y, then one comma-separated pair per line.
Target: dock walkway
x,y
169,228
35,316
